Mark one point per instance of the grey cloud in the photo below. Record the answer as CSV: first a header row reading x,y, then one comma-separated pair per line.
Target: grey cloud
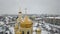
x,y
34,6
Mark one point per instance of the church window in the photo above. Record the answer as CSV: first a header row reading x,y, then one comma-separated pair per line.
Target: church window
x,y
28,32
22,32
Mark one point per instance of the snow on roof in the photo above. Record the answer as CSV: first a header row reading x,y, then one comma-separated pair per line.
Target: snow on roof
x,y
53,17
38,18
49,17
57,17
34,28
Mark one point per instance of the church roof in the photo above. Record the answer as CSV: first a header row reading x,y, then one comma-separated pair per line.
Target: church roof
x,y
26,22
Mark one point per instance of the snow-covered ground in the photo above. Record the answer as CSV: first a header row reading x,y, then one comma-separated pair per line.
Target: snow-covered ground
x,y
43,30
47,28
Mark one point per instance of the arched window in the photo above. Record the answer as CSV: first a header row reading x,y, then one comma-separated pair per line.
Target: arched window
x,y
22,32
28,32
6,33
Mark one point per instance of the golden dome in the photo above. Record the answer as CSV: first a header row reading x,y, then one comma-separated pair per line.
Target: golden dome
x,y
26,23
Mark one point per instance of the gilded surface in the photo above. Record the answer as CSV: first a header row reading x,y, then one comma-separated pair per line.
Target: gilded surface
x,y
26,23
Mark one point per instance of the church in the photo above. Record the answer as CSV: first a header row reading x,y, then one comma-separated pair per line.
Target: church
x,y
24,25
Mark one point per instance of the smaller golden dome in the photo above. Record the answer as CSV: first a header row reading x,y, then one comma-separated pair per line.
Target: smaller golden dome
x,y
18,32
26,23
19,16
16,26
19,20
38,30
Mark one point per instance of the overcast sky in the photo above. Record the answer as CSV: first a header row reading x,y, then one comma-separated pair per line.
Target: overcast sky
x,y
33,6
